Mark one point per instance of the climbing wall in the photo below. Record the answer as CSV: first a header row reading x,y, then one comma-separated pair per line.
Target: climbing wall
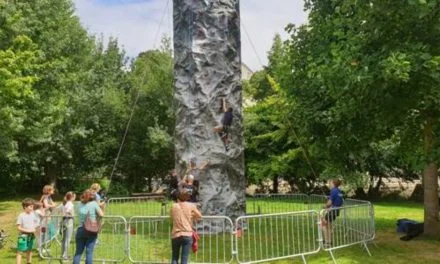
x,y
208,68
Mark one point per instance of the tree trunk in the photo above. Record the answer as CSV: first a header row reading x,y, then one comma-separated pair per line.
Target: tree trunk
x,y
430,186
50,171
374,189
275,184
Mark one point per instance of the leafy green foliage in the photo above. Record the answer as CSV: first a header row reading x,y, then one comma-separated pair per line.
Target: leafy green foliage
x,y
365,76
65,99
149,150
273,148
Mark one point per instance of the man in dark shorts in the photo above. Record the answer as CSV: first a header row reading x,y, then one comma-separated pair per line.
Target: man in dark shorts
x,y
335,200
223,129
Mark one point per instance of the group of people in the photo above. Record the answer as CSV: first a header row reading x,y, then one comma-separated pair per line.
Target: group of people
x,y
36,222
36,219
184,193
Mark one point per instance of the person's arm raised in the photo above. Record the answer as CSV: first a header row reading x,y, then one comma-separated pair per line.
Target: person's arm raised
x,y
206,163
225,107
196,213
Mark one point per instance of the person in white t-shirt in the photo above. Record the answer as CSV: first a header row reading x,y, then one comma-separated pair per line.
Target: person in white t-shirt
x,y
27,224
68,214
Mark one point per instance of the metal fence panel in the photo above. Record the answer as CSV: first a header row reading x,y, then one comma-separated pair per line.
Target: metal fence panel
x,y
49,237
353,225
275,227
143,205
263,238
276,203
350,201
317,201
150,240
110,246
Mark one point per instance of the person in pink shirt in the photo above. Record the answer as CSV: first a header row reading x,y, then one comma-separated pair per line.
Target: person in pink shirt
x,y
183,214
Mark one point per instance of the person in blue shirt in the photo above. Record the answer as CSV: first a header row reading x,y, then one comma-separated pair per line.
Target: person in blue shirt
x,y
334,201
86,240
96,188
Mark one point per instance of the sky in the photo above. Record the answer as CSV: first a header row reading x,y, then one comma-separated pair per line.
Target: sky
x,y
140,24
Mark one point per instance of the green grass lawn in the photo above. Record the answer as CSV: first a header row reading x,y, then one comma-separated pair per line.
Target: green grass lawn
x,y
149,236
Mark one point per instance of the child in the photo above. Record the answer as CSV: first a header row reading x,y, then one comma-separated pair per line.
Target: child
x,y
223,129
95,188
68,214
39,214
27,223
334,201
188,185
103,195
46,199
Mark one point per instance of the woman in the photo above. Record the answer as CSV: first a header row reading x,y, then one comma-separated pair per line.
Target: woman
x,y
183,214
85,239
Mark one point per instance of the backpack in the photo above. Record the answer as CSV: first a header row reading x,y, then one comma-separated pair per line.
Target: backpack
x,y
410,228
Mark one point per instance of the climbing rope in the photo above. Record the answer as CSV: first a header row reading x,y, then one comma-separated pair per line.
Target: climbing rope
x,y
133,107
125,136
156,37
276,86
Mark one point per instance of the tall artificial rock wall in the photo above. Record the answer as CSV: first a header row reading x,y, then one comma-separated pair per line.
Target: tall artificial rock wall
x,y
208,68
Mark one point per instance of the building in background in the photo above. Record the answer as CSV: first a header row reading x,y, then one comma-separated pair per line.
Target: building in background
x,y
246,72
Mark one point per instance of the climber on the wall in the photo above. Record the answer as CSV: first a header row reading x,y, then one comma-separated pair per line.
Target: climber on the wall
x,y
190,181
195,170
223,129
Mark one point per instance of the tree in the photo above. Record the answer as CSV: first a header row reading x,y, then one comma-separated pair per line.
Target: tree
x,y
65,94
149,150
17,64
273,149
364,72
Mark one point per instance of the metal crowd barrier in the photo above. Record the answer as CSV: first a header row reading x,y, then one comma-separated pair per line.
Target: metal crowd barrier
x,y
317,201
263,238
142,205
110,246
354,224
276,203
150,236
276,227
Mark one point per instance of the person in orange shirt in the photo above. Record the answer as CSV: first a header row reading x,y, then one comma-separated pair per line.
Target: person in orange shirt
x,y
183,214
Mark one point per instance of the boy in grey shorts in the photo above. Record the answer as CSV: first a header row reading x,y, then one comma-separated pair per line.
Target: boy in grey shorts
x,y
26,225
